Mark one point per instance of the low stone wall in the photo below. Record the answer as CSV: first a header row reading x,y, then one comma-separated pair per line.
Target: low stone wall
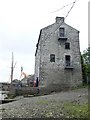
x,y
52,88
26,91
42,90
22,91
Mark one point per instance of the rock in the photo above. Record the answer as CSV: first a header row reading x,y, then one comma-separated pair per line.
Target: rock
x,y
79,95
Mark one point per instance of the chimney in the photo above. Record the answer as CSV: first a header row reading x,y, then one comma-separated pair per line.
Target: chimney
x,y
59,19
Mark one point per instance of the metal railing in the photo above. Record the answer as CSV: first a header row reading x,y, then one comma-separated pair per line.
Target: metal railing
x,y
68,64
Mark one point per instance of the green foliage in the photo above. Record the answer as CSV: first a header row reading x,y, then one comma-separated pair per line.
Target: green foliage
x,y
84,70
85,61
86,55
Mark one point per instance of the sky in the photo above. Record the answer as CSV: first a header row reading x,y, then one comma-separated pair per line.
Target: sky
x,y
20,24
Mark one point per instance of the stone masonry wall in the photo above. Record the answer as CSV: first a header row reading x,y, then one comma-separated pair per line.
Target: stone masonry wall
x,y
53,75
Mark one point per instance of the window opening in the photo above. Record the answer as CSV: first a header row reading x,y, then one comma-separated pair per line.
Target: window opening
x,y
62,32
67,45
67,59
52,58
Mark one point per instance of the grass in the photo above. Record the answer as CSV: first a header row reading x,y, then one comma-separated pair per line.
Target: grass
x,y
68,109
43,102
76,111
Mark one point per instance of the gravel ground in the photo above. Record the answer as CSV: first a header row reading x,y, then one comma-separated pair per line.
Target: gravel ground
x,y
44,106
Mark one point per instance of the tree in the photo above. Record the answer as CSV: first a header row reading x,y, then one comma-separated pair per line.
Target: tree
x,y
86,62
84,70
86,55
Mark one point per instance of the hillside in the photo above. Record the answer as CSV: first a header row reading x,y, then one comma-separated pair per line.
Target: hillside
x,y
70,104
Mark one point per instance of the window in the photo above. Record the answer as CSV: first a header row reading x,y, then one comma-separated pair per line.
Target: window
x,y
67,45
67,59
52,58
62,32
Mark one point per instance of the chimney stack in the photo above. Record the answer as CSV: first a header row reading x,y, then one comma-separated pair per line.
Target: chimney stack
x,y
59,19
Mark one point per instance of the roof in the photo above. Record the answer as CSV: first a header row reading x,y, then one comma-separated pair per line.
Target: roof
x,y
38,42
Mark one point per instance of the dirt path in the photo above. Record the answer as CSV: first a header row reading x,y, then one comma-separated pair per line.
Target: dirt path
x,y
54,105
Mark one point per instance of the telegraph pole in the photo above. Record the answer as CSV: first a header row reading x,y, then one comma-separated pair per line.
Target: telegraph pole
x,y
12,68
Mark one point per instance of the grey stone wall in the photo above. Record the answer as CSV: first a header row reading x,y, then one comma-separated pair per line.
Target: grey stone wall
x,y
53,75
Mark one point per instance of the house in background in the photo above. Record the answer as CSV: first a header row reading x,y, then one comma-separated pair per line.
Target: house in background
x,y
57,57
28,81
16,83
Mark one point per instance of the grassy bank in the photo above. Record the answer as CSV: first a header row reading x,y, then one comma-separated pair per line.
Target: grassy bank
x,y
73,110
63,109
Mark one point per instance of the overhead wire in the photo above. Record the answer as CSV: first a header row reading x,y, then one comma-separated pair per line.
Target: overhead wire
x,y
62,8
65,16
70,9
67,13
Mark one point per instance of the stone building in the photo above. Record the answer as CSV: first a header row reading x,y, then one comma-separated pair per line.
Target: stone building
x,y
57,57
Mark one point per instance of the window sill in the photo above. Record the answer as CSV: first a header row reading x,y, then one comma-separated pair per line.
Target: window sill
x,y
62,38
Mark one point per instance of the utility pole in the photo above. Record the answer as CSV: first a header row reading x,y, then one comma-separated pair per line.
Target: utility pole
x,y
12,68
